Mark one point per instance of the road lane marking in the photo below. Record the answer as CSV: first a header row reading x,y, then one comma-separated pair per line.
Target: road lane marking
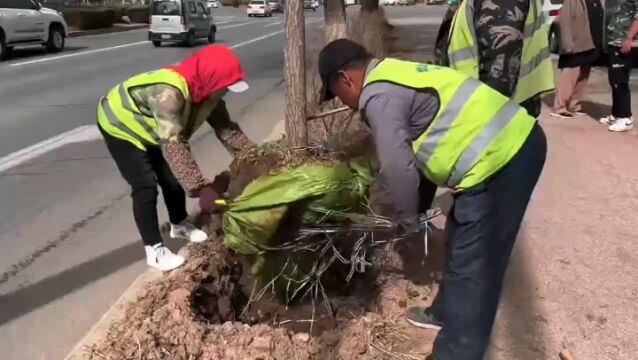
x,y
79,53
273,24
79,134
224,17
89,52
234,25
257,39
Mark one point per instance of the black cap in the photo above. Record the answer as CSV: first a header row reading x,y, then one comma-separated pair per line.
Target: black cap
x,y
336,56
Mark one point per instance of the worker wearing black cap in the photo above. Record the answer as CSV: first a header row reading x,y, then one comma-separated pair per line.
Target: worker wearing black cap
x,y
434,125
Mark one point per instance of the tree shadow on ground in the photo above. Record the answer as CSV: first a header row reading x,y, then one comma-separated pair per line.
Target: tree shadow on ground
x,y
596,110
34,296
593,109
520,330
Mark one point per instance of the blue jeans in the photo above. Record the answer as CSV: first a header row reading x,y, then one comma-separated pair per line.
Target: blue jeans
x,y
483,225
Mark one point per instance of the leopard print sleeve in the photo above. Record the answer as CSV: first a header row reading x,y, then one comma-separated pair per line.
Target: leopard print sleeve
x,y
179,156
228,132
166,103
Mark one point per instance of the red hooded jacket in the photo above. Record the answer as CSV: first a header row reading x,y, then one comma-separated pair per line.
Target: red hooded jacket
x,y
209,70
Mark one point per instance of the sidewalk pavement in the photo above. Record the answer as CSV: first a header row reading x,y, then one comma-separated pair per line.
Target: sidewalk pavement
x,y
571,282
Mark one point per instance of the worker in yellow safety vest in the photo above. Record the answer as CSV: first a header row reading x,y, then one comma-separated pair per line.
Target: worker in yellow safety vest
x,y
504,44
146,122
435,126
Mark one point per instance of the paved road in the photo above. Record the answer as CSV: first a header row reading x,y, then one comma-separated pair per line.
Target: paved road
x,y
69,245
68,250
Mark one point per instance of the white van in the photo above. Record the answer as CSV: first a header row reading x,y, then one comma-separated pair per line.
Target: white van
x,y
181,21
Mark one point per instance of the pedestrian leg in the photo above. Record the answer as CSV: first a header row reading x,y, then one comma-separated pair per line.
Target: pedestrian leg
x,y
567,80
582,78
619,72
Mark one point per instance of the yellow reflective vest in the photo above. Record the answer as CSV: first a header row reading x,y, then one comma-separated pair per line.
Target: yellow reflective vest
x,y
120,117
475,132
536,74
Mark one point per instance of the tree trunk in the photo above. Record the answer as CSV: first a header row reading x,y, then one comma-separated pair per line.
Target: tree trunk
x,y
369,5
295,61
335,18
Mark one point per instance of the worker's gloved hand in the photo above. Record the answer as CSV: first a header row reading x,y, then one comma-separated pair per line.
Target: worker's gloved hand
x,y
207,197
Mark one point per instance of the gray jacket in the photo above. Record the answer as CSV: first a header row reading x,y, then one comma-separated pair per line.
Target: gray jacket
x,y
396,116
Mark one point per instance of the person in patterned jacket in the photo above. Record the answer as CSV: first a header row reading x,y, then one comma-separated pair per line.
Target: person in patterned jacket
x,y
149,140
623,53
499,26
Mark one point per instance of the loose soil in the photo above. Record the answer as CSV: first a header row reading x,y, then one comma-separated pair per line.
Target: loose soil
x,y
196,313
200,311
255,161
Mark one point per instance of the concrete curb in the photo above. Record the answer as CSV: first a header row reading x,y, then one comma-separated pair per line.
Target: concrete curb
x,y
116,312
113,29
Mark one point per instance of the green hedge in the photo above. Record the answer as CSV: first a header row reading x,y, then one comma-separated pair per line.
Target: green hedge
x,y
231,3
90,18
99,17
139,14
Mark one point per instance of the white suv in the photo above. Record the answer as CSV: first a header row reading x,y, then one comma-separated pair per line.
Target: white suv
x,y
26,22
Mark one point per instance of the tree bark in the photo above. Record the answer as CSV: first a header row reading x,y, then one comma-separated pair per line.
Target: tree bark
x,y
295,61
335,18
369,5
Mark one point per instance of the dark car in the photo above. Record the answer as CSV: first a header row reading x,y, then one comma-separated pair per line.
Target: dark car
x,y
611,6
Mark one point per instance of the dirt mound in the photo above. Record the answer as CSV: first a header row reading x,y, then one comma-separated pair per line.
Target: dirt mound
x,y
199,311
194,313
253,162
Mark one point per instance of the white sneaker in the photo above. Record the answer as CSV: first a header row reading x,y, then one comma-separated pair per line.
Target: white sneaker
x,y
189,232
162,258
622,124
607,120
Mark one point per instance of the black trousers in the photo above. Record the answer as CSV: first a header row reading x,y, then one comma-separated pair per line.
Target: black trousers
x,y
619,71
144,170
483,225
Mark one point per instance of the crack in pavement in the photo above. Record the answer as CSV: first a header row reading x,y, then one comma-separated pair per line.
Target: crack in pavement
x,y
27,261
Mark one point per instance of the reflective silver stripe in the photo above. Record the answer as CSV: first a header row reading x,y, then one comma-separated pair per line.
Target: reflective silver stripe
x,y
482,141
538,23
530,29
139,118
462,55
451,113
471,51
113,120
528,67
